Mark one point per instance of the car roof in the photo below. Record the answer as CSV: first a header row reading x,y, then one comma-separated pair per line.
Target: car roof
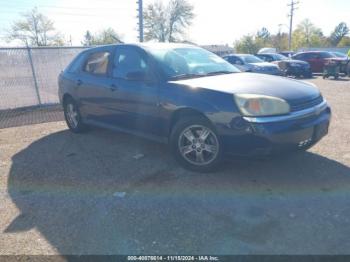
x,y
147,45
307,52
241,55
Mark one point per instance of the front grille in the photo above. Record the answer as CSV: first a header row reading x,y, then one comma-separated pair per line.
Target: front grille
x,y
307,104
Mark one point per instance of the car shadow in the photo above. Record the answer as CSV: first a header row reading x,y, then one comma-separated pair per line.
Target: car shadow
x,y
111,193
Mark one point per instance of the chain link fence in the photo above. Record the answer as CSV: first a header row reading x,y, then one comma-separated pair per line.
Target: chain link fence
x,y
28,76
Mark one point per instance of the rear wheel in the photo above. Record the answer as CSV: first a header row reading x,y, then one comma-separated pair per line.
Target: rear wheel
x,y
72,116
195,144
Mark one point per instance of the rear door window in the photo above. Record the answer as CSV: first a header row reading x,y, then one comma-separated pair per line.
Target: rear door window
x,y
129,60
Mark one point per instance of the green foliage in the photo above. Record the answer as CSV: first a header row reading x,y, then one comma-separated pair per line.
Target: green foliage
x,y
306,34
167,23
345,42
35,29
248,45
280,41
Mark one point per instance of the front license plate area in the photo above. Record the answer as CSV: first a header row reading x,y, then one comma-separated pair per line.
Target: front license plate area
x,y
320,131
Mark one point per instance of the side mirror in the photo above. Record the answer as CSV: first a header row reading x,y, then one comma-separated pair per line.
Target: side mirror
x,y
137,76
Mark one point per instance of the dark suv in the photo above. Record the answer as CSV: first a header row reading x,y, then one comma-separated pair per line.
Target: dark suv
x,y
195,101
289,67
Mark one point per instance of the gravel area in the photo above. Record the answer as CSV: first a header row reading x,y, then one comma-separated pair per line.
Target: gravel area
x,y
111,193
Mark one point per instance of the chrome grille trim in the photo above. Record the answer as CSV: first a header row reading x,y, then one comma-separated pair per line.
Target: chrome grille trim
x,y
307,104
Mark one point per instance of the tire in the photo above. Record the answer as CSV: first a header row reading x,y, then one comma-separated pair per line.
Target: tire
x,y
198,138
72,116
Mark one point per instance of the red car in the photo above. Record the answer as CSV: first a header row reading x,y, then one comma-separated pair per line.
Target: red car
x,y
317,60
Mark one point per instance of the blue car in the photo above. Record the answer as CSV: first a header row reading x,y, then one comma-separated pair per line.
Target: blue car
x,y
201,105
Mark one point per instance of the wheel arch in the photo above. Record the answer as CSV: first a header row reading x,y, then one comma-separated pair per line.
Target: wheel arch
x,y
185,112
65,97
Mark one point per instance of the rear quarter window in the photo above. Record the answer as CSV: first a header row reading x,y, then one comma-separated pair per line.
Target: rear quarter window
x,y
97,63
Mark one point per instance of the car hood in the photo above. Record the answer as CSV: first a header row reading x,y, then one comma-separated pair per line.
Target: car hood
x,y
291,90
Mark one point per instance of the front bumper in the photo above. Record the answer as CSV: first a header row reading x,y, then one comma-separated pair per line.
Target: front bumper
x,y
298,71
267,135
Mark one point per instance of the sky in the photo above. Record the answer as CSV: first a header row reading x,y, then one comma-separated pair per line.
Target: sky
x,y
215,22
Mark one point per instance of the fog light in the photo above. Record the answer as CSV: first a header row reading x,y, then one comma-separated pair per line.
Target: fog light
x,y
305,142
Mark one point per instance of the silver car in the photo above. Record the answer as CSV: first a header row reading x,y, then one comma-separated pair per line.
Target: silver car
x,y
251,63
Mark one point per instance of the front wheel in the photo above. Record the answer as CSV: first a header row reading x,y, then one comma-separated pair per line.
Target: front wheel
x,y
196,145
72,116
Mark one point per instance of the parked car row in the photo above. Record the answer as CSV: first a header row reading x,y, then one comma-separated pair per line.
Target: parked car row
x,y
270,63
302,64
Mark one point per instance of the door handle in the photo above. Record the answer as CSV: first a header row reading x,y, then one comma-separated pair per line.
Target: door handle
x,y
113,87
79,82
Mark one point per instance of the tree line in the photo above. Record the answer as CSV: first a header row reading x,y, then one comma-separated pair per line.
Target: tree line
x,y
168,23
306,34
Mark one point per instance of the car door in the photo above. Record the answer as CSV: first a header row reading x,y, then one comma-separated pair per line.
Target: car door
x,y
136,92
315,62
94,85
318,62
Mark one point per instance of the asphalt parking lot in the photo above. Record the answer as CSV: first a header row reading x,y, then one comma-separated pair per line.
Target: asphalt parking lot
x,y
112,193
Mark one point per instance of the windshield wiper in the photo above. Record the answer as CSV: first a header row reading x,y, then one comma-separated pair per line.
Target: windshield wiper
x,y
186,76
219,73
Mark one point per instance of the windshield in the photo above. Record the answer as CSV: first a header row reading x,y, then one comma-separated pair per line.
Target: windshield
x,y
327,55
279,57
190,62
251,59
338,54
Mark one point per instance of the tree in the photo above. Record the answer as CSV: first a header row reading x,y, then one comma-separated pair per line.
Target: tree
x,y
339,33
345,42
35,29
167,23
87,39
247,44
263,34
280,41
307,35
104,37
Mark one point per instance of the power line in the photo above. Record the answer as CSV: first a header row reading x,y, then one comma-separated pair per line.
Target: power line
x,y
293,7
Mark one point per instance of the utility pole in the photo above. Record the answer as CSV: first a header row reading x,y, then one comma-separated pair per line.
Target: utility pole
x,y
291,14
140,16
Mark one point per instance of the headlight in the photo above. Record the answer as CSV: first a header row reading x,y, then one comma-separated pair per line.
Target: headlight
x,y
260,105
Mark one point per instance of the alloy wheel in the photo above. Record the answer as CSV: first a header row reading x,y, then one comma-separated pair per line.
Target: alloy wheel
x,y
198,145
72,115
